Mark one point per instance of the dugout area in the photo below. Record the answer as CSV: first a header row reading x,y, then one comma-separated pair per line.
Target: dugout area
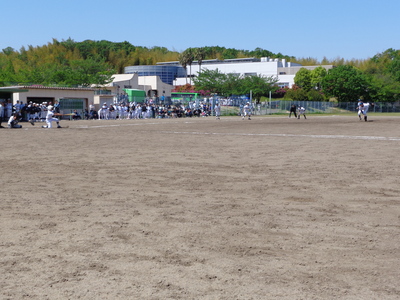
x,y
8,92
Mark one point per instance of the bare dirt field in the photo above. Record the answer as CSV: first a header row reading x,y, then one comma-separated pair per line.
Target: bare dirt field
x,y
196,208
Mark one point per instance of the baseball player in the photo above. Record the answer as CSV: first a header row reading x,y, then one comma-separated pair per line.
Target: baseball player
x,y
124,111
363,110
302,111
217,110
103,112
50,118
360,104
112,112
246,111
13,121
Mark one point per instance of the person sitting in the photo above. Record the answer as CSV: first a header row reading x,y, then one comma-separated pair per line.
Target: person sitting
x,y
76,115
13,121
93,115
189,113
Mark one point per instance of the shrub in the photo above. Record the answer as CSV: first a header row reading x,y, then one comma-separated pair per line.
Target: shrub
x,y
279,93
298,94
315,95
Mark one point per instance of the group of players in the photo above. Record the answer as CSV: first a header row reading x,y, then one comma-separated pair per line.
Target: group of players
x,y
49,119
297,111
361,107
145,111
104,113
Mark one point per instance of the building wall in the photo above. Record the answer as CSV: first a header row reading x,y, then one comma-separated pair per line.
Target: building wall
x,y
153,83
260,68
281,69
167,73
54,93
124,81
294,69
266,67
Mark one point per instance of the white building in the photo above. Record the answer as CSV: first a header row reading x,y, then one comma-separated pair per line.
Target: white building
x,y
281,69
114,91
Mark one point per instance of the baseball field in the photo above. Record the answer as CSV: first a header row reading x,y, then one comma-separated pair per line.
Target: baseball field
x,y
198,208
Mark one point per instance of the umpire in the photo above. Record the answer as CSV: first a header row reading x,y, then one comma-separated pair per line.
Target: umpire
x,y
293,109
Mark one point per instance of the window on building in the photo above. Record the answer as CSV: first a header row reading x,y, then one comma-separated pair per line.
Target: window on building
x,y
283,84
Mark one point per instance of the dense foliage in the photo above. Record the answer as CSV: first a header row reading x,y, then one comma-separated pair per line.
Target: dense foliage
x,y
346,83
71,63
93,62
223,84
376,80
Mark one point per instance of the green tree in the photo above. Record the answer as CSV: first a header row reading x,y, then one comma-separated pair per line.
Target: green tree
x,y
210,80
383,88
90,71
297,94
184,59
200,55
230,84
314,95
230,53
258,85
189,54
303,79
8,50
346,83
317,75
383,75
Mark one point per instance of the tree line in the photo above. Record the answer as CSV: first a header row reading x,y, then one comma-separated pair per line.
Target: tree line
x,y
71,63
378,80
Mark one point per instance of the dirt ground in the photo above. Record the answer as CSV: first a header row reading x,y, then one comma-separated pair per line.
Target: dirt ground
x,y
196,208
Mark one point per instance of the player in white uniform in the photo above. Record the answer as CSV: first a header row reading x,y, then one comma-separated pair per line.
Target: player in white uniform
x,y
246,111
13,121
43,111
124,111
360,104
363,110
217,110
103,112
138,111
302,111
148,111
50,118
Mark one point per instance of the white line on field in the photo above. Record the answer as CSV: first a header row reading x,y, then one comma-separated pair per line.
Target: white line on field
x,y
349,137
121,125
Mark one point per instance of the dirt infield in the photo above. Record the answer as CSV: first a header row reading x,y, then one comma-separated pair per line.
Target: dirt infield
x,y
196,208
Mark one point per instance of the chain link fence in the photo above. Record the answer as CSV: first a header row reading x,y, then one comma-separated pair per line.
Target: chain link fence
x,y
312,107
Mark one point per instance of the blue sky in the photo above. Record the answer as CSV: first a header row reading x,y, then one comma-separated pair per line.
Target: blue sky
x,y
347,29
